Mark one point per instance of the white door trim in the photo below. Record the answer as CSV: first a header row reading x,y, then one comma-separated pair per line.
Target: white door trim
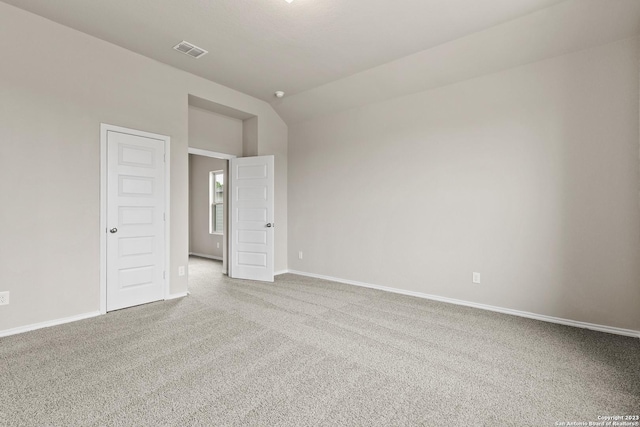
x,y
104,128
213,154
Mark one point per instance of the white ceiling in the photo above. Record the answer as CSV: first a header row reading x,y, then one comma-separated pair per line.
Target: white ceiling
x,y
569,26
260,46
330,55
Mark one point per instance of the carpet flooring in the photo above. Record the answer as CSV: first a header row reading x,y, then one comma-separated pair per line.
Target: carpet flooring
x,y
307,352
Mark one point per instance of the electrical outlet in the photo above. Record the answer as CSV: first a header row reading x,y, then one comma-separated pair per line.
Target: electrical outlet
x,y
181,270
476,277
4,298
300,255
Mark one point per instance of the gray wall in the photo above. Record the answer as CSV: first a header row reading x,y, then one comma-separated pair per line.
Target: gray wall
x,y
528,176
209,131
201,242
250,137
56,86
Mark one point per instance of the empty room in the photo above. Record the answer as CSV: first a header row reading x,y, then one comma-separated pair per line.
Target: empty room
x,y
320,213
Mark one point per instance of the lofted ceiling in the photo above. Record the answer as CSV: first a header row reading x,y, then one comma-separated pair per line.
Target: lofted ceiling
x,y
570,26
260,46
330,55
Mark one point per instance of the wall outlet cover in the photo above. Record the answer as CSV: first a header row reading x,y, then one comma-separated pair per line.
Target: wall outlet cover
x,y
4,298
181,270
476,277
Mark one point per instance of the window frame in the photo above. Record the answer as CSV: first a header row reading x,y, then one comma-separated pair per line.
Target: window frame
x,y
213,204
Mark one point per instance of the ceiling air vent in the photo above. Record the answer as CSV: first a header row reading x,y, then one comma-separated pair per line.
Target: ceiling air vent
x,y
189,49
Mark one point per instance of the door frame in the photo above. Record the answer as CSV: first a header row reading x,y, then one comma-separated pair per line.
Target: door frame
x,y
104,128
209,153
227,211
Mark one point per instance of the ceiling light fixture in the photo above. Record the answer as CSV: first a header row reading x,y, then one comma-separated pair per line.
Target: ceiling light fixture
x,y
288,1
279,93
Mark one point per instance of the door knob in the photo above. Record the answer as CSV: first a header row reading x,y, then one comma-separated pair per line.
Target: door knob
x,y
269,224
114,230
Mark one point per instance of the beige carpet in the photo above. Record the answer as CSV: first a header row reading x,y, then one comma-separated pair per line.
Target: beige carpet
x,y
306,352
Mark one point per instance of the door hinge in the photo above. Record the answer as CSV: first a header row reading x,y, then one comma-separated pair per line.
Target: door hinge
x,y
164,216
164,157
164,274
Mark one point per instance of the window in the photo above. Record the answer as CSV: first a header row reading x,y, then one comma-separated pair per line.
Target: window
x,y
216,202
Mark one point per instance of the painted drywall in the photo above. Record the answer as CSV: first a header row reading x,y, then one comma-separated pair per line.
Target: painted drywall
x,y
201,241
568,26
214,132
250,137
56,86
529,176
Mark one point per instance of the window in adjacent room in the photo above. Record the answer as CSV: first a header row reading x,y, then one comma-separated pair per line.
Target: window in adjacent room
x,y
216,202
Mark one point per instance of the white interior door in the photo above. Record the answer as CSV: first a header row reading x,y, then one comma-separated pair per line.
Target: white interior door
x,y
135,219
251,225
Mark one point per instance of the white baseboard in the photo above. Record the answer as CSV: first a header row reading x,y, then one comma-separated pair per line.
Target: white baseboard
x,y
542,317
56,322
34,326
175,296
217,258
277,273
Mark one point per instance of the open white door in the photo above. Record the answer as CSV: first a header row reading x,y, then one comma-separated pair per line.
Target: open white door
x,y
251,227
135,221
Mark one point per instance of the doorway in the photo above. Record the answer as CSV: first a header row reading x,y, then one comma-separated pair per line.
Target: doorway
x,y
208,205
248,237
